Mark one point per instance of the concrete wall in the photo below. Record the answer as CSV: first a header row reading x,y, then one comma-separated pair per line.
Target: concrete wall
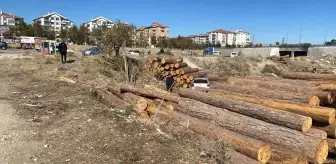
x,y
262,51
322,51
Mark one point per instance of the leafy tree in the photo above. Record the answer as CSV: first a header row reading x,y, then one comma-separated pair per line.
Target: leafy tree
x,y
277,43
333,41
153,40
82,35
121,34
63,34
73,34
142,41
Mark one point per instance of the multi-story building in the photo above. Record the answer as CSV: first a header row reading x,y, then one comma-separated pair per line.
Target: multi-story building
x,y
156,30
200,39
9,19
54,22
242,38
98,22
222,37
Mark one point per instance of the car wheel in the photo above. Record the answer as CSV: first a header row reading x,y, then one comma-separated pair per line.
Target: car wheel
x,y
91,53
3,48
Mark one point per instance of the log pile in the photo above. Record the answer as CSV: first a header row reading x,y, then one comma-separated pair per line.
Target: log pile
x,y
262,123
182,74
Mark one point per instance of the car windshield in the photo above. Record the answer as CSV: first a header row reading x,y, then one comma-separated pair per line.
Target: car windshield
x,y
200,81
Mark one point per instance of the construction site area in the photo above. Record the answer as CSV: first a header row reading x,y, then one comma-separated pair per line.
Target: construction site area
x,y
108,109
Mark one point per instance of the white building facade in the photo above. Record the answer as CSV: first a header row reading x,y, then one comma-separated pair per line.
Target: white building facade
x,y
242,38
98,22
54,22
9,19
200,39
217,37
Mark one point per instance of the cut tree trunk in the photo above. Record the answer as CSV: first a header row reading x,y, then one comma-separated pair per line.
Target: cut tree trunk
x,y
192,76
140,104
308,76
313,132
314,148
115,91
330,129
186,70
150,93
250,147
109,99
271,115
267,93
236,157
326,97
171,60
180,65
318,114
212,77
284,156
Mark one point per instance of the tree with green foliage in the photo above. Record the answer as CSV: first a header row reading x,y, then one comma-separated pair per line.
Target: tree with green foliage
x,y
121,34
333,41
83,34
73,34
153,40
64,34
142,41
277,43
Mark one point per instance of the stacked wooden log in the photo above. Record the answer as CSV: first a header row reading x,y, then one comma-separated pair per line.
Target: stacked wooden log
x,y
262,130
182,74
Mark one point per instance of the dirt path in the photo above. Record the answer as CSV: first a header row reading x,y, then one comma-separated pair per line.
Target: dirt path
x,y
15,134
190,63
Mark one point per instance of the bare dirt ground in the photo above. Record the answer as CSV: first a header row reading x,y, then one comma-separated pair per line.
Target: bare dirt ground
x,y
46,120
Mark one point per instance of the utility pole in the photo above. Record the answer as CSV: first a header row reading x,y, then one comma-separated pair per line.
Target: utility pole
x,y
55,33
326,33
300,33
287,38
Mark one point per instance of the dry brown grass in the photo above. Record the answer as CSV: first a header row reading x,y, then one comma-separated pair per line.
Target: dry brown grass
x,y
79,129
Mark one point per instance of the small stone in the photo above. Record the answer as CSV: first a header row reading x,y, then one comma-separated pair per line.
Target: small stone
x,y
80,102
68,160
46,145
76,118
89,120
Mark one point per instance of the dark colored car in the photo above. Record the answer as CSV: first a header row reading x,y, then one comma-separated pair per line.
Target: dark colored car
x,y
3,45
92,51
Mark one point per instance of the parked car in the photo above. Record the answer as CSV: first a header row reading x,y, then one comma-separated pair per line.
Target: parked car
x,y
92,51
200,83
3,45
134,52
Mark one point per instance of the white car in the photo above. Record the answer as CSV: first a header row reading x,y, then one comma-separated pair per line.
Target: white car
x,y
134,52
200,83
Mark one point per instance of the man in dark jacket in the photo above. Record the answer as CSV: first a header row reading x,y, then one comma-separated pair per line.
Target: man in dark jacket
x,y
62,47
169,83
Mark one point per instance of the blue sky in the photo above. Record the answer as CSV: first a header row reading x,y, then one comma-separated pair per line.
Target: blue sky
x,y
268,21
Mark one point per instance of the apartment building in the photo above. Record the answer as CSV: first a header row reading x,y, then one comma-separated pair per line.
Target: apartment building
x,y
54,22
155,30
222,37
98,22
7,19
200,39
242,38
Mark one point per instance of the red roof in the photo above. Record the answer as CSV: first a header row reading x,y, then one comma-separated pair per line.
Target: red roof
x,y
11,15
157,24
222,31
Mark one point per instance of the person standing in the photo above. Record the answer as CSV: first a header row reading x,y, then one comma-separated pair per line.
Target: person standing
x,y
62,47
169,83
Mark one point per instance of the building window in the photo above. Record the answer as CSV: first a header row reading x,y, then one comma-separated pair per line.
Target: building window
x,y
162,30
57,18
